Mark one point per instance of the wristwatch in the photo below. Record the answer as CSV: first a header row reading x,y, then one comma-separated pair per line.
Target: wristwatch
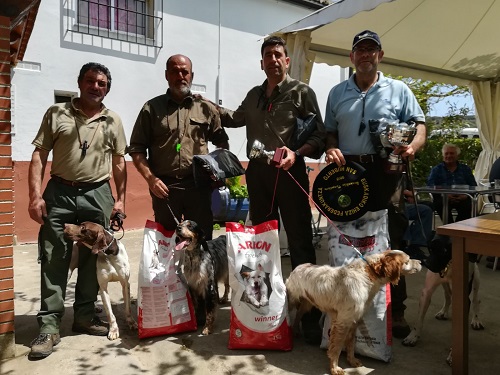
x,y
297,153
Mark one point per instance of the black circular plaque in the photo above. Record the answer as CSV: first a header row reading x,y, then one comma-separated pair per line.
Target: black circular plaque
x,y
342,193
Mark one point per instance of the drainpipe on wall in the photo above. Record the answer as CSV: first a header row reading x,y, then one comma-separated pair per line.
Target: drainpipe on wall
x,y
218,87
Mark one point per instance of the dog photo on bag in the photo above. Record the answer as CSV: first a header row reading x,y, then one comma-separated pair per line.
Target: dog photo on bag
x,y
257,286
259,309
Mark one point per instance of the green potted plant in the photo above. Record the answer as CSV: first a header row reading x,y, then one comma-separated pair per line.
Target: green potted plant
x,y
230,203
236,189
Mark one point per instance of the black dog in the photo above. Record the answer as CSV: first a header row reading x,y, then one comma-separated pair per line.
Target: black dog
x,y
440,255
203,264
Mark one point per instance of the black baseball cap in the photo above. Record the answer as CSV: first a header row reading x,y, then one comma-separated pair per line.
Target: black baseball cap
x,y
366,35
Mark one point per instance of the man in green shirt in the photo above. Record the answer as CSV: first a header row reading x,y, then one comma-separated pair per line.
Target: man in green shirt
x,y
270,114
88,145
169,131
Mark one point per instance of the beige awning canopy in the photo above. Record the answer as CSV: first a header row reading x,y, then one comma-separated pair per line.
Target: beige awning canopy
x,y
448,41
454,40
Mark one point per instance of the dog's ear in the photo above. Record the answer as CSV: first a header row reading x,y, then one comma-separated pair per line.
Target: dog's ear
x,y
196,229
387,266
100,243
377,268
200,232
392,267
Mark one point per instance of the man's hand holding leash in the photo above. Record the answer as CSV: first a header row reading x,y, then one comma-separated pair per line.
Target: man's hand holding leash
x,y
289,160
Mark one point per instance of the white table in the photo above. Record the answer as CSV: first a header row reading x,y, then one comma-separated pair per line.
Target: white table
x,y
472,191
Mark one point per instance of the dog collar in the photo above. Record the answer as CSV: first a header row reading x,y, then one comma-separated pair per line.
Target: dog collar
x,y
106,249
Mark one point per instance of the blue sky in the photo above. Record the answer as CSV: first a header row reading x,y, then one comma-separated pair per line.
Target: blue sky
x,y
441,108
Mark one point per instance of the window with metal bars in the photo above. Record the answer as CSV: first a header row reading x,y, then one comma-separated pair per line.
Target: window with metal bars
x,y
131,20
116,15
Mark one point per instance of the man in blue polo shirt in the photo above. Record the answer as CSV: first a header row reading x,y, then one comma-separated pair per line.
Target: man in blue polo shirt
x,y
369,96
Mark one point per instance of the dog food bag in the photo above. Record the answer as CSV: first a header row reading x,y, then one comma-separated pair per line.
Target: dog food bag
x,y
164,303
259,309
369,234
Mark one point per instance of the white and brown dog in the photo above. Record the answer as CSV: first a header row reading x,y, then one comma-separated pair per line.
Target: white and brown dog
x,y
439,272
112,265
345,293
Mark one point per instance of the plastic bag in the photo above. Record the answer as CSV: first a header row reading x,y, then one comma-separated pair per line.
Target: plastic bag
x,y
163,301
259,308
369,235
211,170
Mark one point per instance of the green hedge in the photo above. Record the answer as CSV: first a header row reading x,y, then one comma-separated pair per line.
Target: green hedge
x,y
431,155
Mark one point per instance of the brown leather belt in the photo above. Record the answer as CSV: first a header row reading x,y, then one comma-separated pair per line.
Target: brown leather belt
x,y
364,158
77,183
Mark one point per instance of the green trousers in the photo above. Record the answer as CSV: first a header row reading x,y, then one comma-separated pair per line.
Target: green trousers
x,y
69,205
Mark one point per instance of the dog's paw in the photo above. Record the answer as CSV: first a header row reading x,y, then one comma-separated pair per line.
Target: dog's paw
x,y
476,324
132,324
206,331
441,315
337,370
354,362
411,340
449,359
113,333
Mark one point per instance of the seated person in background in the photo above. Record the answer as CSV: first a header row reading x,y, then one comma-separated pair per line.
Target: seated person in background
x,y
495,171
494,175
452,172
419,231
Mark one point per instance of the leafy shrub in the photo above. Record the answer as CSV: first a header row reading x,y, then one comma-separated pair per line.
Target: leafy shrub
x,y
236,190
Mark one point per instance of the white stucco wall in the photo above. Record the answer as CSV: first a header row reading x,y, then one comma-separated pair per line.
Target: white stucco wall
x,y
206,32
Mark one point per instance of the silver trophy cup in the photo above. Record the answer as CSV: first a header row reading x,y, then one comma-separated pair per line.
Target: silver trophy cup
x,y
258,151
398,134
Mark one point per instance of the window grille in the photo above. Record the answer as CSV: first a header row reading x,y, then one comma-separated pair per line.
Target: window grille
x,y
126,20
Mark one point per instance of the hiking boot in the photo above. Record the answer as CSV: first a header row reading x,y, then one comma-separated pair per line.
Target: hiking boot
x,y
43,345
400,328
96,327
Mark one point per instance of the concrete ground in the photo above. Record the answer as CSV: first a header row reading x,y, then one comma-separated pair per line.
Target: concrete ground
x,y
192,354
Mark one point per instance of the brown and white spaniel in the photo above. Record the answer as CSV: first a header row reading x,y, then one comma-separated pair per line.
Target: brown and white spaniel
x,y
345,293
